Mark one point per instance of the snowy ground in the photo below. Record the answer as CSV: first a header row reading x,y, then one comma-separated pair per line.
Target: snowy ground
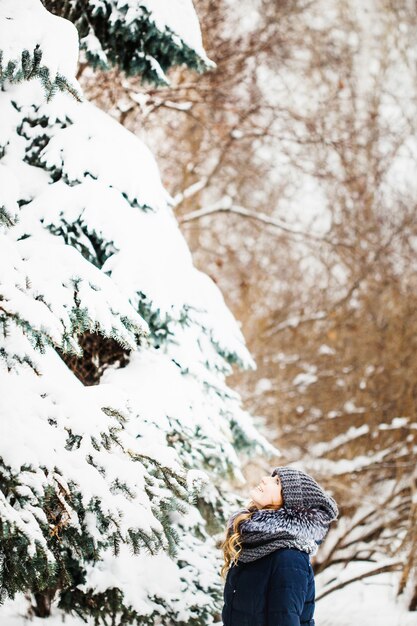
x,y
370,603
361,604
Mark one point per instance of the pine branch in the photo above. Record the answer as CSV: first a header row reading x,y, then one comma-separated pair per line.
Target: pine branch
x,y
29,67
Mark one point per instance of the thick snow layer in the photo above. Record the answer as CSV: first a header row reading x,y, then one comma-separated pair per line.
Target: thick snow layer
x,y
181,408
106,189
98,145
180,17
59,291
56,394
24,24
175,19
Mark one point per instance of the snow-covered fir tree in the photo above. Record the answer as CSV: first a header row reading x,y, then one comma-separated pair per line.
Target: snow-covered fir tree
x,y
119,434
143,38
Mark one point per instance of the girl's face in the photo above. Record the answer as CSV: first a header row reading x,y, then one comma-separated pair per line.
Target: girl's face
x,y
268,491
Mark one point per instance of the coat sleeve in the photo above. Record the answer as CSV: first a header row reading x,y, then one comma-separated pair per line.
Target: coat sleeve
x,y
287,593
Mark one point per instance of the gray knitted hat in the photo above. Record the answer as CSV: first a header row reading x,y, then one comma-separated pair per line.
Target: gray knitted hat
x,y
301,491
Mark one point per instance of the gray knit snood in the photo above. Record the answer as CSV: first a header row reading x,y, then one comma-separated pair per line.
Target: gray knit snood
x,y
302,522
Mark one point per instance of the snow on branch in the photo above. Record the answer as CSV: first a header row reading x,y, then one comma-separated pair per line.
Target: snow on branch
x,y
37,44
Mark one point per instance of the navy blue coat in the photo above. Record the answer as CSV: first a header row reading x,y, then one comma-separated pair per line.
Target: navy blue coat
x,y
276,590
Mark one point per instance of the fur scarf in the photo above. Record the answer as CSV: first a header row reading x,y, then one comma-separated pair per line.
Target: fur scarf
x,y
270,529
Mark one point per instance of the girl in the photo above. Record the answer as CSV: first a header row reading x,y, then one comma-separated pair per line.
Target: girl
x,y
267,549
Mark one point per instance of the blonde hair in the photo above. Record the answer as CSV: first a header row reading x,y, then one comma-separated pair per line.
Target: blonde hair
x,y
231,545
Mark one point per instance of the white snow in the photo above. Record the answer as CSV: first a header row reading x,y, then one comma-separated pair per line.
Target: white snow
x,y
305,379
327,350
372,602
177,15
176,18
57,37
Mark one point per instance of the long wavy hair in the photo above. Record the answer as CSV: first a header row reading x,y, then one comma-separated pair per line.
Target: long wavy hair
x,y
231,545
